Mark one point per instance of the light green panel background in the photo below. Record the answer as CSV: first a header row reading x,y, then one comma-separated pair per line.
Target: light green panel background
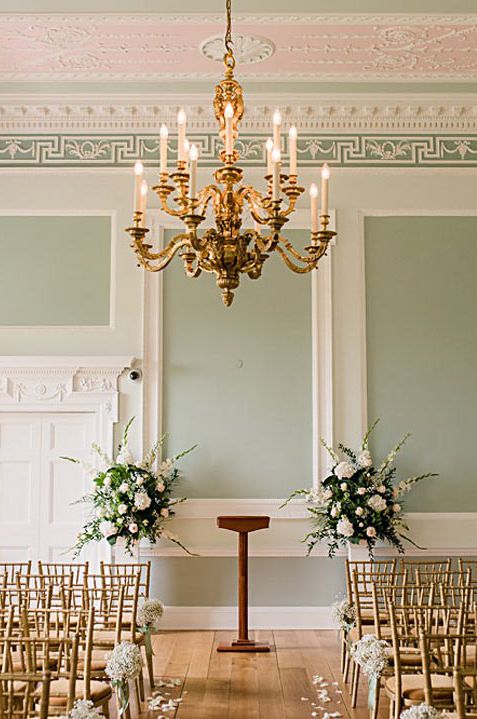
x,y
422,349
237,381
274,581
55,270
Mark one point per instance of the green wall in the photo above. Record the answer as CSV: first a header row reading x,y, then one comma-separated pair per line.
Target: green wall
x,y
237,381
421,296
55,270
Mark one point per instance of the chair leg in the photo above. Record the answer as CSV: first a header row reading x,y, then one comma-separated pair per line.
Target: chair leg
x,y
347,667
138,694
391,709
105,709
355,686
397,707
343,654
141,685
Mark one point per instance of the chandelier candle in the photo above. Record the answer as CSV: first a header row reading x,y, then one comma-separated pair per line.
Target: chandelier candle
x,y
164,134
181,135
325,176
193,155
314,207
292,136
269,146
143,204
138,175
247,224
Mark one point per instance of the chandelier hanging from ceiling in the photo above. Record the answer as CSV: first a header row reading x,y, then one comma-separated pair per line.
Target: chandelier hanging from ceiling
x,y
227,249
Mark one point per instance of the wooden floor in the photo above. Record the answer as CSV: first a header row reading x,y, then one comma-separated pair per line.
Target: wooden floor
x,y
278,685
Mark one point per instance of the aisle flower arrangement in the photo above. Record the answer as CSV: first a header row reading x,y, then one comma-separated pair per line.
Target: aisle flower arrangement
x,y
372,655
357,502
124,664
129,499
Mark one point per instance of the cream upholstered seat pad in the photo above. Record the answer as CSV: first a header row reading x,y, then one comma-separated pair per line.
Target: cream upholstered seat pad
x,y
413,685
59,689
369,629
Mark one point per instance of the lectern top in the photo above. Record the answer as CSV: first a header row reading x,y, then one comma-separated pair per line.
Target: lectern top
x,y
243,523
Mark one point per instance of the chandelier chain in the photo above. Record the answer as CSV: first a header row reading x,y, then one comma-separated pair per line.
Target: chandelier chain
x,y
228,33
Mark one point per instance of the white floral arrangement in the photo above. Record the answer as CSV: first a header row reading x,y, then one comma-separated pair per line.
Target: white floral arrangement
x,y
372,654
345,614
150,613
422,711
124,664
84,709
358,502
129,499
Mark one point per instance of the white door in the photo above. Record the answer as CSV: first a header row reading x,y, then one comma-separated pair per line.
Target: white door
x,y
37,488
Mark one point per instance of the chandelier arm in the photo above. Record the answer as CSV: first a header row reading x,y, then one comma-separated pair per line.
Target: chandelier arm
x,y
292,266
167,254
206,194
255,202
169,210
302,258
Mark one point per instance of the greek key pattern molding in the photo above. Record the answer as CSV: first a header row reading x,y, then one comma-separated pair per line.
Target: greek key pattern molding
x,y
340,150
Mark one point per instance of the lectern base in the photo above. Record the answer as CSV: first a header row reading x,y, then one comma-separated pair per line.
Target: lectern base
x,y
241,646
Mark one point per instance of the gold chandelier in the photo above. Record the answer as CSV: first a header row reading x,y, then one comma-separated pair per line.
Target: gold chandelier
x,y
226,249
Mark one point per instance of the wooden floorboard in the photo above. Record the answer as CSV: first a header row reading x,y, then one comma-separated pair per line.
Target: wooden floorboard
x,y
277,685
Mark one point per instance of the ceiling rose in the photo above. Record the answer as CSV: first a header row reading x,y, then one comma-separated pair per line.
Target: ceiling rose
x,y
248,49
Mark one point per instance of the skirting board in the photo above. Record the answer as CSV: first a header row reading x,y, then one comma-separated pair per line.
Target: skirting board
x,y
196,618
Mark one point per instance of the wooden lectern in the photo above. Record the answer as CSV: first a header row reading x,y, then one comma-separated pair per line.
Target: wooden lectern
x,y
243,525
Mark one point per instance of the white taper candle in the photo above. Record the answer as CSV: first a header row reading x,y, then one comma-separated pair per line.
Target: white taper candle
x,y
325,176
314,207
229,136
276,157
269,146
181,134
138,173
143,202
193,156
164,134
186,147
292,136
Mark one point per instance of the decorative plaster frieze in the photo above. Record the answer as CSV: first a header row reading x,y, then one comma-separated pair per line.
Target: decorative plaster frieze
x,y
339,150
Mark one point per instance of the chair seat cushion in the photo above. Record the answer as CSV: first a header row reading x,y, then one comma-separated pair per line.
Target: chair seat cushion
x,y
59,689
369,629
413,686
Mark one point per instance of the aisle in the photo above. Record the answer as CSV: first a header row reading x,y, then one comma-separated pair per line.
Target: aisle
x,y
278,685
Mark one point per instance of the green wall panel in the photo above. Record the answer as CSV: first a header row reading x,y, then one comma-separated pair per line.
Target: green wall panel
x,y
237,381
422,349
55,270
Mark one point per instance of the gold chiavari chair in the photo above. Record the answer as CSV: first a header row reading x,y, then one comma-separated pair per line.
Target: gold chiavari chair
x,y
78,570
24,696
130,569
436,566
464,565
11,569
465,692
407,685
441,654
44,591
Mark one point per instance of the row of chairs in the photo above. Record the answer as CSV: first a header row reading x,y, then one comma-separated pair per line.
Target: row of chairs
x,y
426,610
57,627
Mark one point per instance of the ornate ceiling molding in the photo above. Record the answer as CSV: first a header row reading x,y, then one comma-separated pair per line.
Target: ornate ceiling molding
x,y
335,113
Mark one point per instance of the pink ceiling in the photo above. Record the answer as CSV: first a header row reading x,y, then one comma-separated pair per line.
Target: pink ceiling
x,y
88,47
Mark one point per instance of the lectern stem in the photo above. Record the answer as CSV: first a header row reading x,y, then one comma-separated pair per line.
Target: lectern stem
x,y
243,587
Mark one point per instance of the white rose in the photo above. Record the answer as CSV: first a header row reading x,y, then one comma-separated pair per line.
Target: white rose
x,y
133,527
396,508
124,457
364,459
381,489
345,527
361,524
362,490
122,509
359,511
344,470
142,500
108,529
377,503
371,532
164,512
107,481
326,494
343,486
396,492
124,487
101,513
336,510
139,480
160,486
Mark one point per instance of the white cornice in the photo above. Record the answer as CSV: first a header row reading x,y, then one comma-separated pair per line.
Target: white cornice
x,y
334,112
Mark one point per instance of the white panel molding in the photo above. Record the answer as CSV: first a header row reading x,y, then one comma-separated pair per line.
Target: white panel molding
x,y
222,617
341,113
112,214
